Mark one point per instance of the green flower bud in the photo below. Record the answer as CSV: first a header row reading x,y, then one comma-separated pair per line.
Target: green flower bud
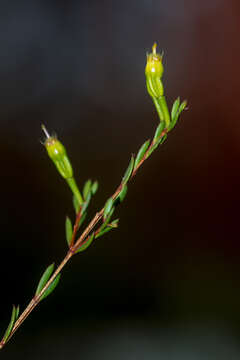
x,y
58,154
153,72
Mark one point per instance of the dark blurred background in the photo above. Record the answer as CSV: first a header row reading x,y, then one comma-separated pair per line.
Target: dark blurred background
x,y
166,284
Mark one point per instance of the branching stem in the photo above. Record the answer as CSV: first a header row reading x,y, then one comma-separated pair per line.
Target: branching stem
x,y
72,250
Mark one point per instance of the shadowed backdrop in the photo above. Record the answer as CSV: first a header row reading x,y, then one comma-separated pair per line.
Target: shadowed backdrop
x,y
166,284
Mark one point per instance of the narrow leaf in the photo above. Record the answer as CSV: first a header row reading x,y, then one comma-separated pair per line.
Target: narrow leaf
x,y
44,279
112,225
94,187
86,203
11,324
17,313
83,217
154,147
141,153
104,231
76,204
175,108
180,109
106,221
159,130
68,230
86,244
108,207
87,188
51,287
123,193
182,106
128,171
163,139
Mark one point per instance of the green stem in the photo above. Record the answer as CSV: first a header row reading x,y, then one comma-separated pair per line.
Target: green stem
x,y
158,108
162,109
72,183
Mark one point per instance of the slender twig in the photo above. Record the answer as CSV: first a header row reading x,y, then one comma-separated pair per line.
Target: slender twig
x,y
36,299
74,246
57,153
76,226
147,153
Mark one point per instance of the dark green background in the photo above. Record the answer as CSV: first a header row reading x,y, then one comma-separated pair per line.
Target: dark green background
x,y
166,284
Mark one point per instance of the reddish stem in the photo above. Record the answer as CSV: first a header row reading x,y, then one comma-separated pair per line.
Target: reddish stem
x,y
72,250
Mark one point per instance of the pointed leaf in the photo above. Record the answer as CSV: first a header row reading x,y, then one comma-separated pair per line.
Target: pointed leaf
x,y
51,287
86,202
17,313
76,204
106,221
163,139
159,130
94,187
86,244
141,153
108,207
11,324
175,108
128,172
182,106
68,230
112,225
83,217
180,109
123,193
154,147
44,279
87,188
104,231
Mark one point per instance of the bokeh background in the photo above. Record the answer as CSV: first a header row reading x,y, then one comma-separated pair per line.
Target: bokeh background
x,y
166,284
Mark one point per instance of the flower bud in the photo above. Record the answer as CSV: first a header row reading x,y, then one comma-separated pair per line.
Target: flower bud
x,y
58,154
153,72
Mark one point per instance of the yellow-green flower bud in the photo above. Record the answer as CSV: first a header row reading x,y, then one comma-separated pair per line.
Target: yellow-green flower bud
x,y
153,72
58,154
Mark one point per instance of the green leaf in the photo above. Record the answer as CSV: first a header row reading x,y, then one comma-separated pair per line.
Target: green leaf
x,y
122,193
86,202
182,106
87,188
180,109
107,228
108,207
44,279
154,147
51,287
159,130
163,139
94,187
76,204
83,217
68,230
86,244
175,108
114,224
104,231
11,324
17,313
141,153
106,221
128,172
